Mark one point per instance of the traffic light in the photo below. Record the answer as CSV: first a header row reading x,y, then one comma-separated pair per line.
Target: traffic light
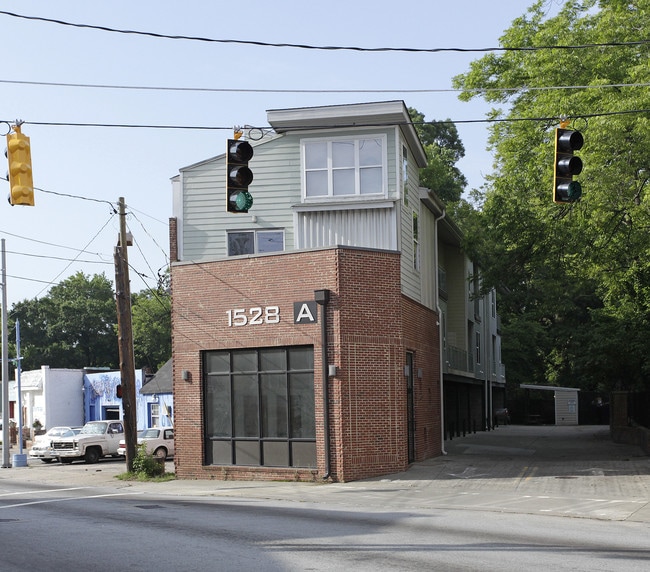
x,y
565,189
118,391
238,176
19,155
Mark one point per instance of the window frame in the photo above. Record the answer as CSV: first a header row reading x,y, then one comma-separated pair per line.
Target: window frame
x,y
330,169
245,434
155,416
255,233
415,230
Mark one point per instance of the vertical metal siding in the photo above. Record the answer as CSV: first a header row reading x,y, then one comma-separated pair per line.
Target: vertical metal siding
x,y
370,228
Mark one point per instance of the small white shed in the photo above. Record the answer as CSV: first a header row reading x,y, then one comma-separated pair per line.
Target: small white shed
x,y
566,402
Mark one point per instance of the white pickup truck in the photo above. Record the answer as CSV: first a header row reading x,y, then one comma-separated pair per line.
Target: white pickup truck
x,y
95,440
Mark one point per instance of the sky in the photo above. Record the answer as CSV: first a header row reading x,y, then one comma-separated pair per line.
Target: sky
x,y
80,172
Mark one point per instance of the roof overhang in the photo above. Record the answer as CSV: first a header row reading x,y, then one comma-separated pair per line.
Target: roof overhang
x,y
548,387
375,114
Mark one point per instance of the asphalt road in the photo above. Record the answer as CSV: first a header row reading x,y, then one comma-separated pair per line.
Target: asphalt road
x,y
534,498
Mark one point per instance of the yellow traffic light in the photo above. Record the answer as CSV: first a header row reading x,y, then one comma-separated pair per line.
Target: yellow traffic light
x,y
19,155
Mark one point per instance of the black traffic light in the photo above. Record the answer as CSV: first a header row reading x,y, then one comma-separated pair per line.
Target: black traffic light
x,y
118,391
238,176
19,155
566,166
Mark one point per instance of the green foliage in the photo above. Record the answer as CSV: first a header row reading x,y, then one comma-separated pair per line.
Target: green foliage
x,y
147,465
151,319
73,326
574,280
444,149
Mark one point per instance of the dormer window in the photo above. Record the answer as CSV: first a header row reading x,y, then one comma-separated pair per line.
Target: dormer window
x,y
344,167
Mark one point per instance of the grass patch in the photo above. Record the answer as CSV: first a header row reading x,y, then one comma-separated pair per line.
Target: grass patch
x,y
146,467
143,477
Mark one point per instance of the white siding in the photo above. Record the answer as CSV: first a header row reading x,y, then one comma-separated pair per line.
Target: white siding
x,y
276,191
371,228
566,407
411,278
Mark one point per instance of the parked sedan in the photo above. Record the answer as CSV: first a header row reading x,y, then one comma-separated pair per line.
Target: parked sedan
x,y
159,441
42,447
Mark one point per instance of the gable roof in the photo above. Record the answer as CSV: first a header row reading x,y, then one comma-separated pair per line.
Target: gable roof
x,y
161,382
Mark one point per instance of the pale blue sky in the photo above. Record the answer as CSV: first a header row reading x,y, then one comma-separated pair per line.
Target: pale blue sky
x,y
105,163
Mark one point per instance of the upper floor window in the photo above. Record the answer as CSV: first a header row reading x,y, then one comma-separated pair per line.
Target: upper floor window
x,y
416,243
344,167
255,242
405,175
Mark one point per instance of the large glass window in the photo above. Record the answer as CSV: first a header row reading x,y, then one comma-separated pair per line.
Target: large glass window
x,y
255,242
259,407
344,167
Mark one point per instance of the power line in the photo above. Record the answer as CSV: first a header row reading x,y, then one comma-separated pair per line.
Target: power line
x,y
287,90
325,48
334,126
28,254
75,259
80,251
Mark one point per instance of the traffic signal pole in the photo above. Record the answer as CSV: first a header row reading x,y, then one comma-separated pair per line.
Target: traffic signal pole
x,y
125,340
6,462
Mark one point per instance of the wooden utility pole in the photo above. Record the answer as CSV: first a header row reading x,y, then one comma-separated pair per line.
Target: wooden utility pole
x,y
125,339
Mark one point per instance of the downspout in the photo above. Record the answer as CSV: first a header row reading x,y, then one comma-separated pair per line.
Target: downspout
x,y
322,297
440,335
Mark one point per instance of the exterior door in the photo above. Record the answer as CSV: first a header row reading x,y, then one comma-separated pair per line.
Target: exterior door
x,y
410,407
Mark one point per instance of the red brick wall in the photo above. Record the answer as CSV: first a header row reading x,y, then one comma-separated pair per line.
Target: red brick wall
x,y
370,430
367,342
422,337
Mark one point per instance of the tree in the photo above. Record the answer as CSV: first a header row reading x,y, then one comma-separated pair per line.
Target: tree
x,y
444,149
151,319
73,326
580,272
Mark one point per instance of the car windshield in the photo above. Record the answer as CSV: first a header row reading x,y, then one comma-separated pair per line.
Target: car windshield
x,y
93,429
150,433
60,432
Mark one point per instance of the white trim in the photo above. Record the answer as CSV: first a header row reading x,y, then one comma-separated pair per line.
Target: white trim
x,y
357,196
352,204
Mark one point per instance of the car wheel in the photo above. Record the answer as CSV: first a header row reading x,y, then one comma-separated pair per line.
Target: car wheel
x,y
160,453
46,460
66,460
91,456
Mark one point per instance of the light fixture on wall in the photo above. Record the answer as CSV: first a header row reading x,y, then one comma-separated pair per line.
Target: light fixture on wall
x,y
186,375
331,370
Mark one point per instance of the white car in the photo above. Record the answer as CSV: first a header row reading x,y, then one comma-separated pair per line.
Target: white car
x,y
42,447
159,441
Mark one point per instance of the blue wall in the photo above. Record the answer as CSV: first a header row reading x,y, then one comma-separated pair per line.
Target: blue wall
x,y
101,401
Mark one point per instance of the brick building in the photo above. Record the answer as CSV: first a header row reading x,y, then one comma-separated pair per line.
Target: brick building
x,y
307,331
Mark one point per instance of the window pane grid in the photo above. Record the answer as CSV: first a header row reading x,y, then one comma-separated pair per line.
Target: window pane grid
x,y
262,411
342,168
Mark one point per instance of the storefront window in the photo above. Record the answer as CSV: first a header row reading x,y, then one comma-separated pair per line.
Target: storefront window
x,y
259,407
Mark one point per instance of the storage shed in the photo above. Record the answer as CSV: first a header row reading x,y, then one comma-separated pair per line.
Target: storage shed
x,y
566,402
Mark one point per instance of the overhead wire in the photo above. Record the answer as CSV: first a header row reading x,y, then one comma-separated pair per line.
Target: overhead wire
x,y
321,90
74,260
324,48
341,125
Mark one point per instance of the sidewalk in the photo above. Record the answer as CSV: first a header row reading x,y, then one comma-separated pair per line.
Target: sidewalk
x,y
565,471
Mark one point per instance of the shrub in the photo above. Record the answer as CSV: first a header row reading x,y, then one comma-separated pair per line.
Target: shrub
x,y
147,464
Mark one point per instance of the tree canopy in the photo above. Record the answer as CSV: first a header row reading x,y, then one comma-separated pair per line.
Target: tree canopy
x,y
75,326
444,149
574,279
